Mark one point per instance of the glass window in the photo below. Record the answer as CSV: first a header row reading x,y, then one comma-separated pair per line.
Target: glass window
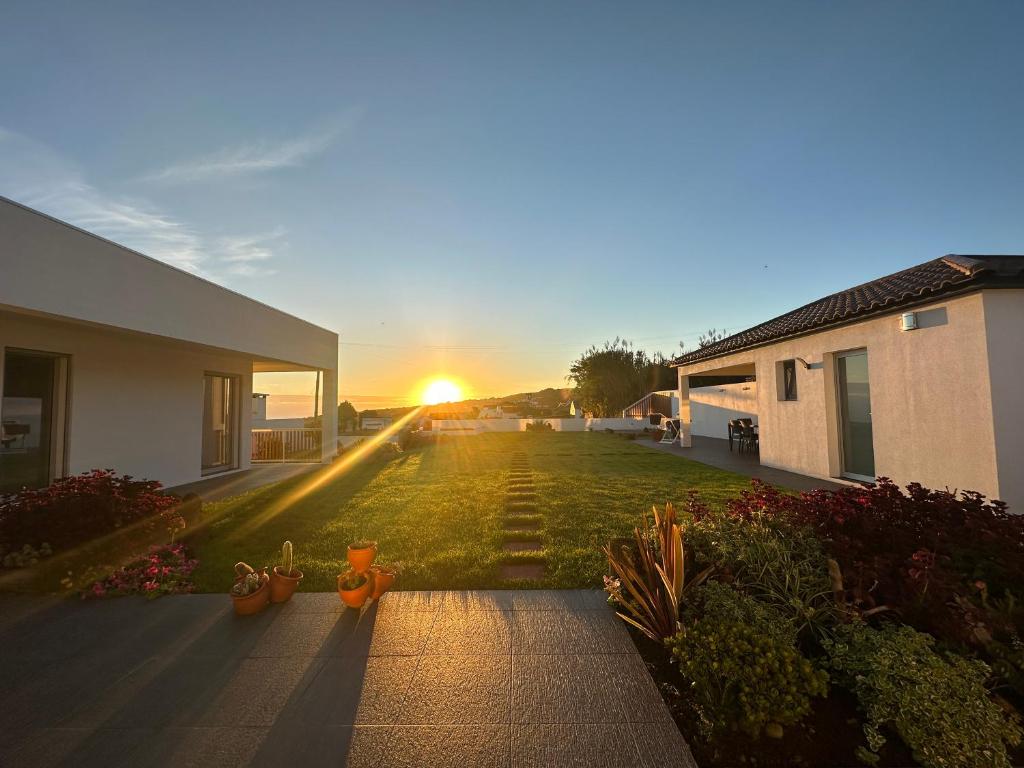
x,y
31,420
789,379
220,423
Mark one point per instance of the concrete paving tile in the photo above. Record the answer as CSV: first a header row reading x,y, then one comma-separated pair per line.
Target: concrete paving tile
x,y
82,748
661,745
458,746
162,692
342,746
229,636
258,691
296,634
224,747
474,633
379,632
543,600
313,602
563,689
580,745
411,601
459,690
522,545
639,699
592,599
477,600
575,632
352,690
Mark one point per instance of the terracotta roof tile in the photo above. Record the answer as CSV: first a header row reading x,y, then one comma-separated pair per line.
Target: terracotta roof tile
x,y
933,278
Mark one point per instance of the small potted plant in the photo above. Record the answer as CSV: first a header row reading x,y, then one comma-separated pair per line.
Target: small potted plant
x,y
361,555
354,588
284,578
251,590
383,578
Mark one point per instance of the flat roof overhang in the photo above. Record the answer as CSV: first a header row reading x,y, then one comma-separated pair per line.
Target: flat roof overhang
x,y
53,269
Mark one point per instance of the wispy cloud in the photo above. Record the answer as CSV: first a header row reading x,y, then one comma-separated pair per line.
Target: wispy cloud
x,y
33,174
259,156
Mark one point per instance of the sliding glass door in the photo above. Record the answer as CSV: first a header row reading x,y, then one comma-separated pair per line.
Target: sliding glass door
x,y
855,415
220,423
31,420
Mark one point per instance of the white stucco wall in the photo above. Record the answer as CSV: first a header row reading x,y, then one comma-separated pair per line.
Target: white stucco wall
x,y
140,334
712,408
1004,321
135,404
931,397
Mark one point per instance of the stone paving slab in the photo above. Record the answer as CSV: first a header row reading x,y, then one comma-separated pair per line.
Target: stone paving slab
x,y
446,678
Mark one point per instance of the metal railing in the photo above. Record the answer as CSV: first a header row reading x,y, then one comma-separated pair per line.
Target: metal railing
x,y
281,445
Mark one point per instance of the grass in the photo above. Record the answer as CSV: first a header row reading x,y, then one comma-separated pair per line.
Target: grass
x,y
439,511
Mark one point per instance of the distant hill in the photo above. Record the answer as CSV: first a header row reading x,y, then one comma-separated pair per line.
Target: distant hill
x,y
541,403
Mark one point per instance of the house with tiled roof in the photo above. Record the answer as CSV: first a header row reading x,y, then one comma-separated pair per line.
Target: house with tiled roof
x,y
917,376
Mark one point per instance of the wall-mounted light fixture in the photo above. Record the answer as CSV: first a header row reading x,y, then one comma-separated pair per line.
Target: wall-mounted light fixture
x,y
908,321
803,362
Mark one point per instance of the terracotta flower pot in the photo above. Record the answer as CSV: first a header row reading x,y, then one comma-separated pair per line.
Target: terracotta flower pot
x,y
382,578
361,559
355,598
283,587
256,602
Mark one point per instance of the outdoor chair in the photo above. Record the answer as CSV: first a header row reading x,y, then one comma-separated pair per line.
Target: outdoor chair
x,y
735,430
748,438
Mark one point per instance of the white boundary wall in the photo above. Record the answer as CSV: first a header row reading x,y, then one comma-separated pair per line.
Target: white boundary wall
x,y
476,426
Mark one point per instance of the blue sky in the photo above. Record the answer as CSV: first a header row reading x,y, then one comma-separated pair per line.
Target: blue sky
x,y
482,190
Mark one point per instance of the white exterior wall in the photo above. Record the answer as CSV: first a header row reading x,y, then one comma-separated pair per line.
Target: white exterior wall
x,y
135,404
712,408
140,335
1004,322
931,396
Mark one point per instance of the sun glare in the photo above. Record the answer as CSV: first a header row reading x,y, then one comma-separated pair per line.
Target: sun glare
x,y
441,391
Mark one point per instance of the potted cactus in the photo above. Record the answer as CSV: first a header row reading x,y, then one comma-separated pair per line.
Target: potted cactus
x,y
251,590
354,588
284,578
361,555
383,578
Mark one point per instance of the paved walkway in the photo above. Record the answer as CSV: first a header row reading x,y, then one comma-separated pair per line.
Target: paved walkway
x,y
715,452
496,678
222,486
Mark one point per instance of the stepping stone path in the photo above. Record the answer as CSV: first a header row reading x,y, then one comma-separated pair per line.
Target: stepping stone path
x,y
522,523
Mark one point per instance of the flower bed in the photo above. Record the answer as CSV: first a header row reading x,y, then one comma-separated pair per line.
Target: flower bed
x,y
860,625
163,570
78,509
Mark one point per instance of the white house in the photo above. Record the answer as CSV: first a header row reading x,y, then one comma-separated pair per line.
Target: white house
x,y
915,376
111,359
375,423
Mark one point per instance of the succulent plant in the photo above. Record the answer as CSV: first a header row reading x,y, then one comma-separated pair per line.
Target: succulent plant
x,y
247,585
352,580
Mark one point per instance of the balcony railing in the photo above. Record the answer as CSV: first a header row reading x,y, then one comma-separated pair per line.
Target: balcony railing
x,y
281,445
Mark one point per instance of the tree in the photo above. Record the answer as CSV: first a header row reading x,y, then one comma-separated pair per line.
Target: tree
x,y
712,335
346,414
610,377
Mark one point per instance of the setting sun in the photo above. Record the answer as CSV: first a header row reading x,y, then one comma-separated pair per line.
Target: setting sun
x,y
441,391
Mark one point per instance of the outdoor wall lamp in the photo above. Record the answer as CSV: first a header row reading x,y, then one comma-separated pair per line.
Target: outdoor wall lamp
x,y
803,362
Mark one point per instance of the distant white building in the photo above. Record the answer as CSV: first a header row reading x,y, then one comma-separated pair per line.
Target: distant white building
x,y
375,423
497,412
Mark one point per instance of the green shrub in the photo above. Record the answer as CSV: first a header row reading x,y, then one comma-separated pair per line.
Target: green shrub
x,y
779,564
937,704
744,669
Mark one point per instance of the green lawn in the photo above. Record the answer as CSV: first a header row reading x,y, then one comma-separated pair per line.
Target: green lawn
x,y
439,510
